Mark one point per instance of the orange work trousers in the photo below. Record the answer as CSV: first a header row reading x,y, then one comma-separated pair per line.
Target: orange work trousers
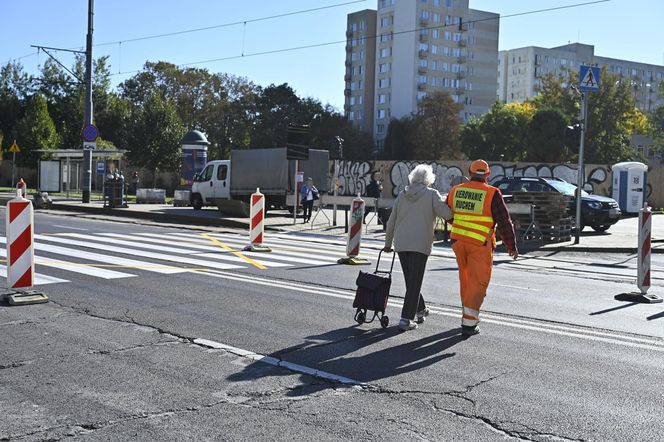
x,y
475,265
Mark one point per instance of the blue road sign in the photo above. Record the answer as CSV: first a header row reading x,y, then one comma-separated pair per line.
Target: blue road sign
x,y
90,133
589,79
101,166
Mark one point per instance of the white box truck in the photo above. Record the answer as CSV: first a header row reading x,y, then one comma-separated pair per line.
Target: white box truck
x,y
228,184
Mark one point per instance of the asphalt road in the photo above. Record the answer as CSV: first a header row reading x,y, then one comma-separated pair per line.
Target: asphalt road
x,y
159,333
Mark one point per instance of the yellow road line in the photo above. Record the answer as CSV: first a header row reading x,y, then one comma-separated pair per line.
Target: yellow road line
x,y
234,252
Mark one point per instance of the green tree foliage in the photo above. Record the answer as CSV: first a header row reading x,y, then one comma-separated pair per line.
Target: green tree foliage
x,y
35,130
500,134
155,132
400,139
15,88
546,136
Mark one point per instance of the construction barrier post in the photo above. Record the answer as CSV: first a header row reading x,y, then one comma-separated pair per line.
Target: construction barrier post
x,y
20,252
355,234
643,262
256,223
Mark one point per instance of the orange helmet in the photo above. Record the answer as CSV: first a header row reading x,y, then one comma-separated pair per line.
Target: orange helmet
x,y
479,167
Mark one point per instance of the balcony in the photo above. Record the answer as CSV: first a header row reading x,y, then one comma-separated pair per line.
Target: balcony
x,y
422,53
349,48
422,70
349,62
349,34
459,91
424,22
421,86
463,27
461,59
347,77
463,43
424,38
347,92
461,75
346,107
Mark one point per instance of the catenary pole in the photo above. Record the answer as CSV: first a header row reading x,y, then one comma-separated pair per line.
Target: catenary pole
x,y
581,171
87,153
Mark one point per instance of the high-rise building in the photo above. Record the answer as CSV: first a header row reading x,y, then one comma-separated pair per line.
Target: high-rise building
x,y
408,48
520,72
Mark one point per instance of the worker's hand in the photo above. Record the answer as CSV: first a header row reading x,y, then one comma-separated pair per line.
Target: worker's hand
x,y
514,254
387,249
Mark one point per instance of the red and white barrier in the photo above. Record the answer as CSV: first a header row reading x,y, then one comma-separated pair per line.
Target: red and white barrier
x,y
20,252
645,230
257,223
643,262
355,234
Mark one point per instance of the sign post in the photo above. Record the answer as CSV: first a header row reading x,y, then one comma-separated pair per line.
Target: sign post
x,y
588,82
14,149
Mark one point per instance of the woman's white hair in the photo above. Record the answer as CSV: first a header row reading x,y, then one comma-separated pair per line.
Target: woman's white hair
x,y
423,173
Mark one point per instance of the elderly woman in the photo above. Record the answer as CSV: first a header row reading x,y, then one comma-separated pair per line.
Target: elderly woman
x,y
411,227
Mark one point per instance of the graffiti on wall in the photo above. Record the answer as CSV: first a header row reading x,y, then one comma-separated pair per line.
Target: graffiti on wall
x,y
354,176
446,175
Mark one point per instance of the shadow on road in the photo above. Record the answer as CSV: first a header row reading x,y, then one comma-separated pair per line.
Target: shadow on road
x,y
330,352
601,312
657,316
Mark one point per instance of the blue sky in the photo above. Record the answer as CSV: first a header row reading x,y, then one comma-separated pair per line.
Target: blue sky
x,y
628,29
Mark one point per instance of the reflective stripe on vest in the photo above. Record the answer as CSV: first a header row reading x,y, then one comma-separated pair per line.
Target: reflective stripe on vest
x,y
471,203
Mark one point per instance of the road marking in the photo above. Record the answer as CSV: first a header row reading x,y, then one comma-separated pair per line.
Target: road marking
x,y
39,278
234,252
69,227
277,362
73,253
515,287
527,324
136,252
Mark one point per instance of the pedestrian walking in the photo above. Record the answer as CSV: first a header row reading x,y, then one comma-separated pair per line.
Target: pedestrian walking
x,y
411,228
135,181
308,194
374,190
477,208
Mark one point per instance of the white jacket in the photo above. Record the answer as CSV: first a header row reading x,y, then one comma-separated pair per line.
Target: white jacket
x,y
413,219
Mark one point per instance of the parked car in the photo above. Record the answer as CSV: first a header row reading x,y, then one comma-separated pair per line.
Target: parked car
x,y
598,212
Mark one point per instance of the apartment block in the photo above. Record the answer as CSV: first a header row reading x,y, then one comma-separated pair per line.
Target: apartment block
x,y
409,48
520,72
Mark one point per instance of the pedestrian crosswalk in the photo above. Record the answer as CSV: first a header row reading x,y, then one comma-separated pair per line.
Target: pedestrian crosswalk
x,y
109,255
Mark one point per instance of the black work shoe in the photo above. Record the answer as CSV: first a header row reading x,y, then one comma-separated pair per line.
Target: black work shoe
x,y
467,330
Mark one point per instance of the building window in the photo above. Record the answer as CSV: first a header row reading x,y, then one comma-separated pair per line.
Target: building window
x,y
385,52
381,114
422,79
384,82
424,47
380,128
457,36
357,70
446,51
383,98
421,95
384,67
436,17
456,52
385,37
386,21
435,33
446,67
425,15
355,85
351,115
434,49
448,3
448,19
355,99
448,35
424,63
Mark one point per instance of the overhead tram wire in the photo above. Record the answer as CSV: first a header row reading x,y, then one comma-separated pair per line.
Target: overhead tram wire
x,y
373,37
225,25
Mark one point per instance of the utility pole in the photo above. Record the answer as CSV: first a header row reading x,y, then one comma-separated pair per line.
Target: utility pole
x,y
87,153
581,172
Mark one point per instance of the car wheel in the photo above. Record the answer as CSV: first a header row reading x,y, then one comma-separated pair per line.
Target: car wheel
x,y
197,202
572,220
600,228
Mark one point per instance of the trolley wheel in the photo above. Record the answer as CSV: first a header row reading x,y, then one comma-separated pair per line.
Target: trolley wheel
x,y
384,321
360,317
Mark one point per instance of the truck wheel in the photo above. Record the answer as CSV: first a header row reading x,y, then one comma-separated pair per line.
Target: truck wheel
x,y
197,202
600,228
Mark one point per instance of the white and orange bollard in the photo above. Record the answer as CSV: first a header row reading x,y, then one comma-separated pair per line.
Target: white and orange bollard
x,y
643,261
257,223
20,252
355,234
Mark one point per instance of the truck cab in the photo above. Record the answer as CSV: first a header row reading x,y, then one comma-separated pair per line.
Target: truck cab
x,y
211,184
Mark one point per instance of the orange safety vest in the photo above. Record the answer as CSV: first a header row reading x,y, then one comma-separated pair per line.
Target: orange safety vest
x,y
471,205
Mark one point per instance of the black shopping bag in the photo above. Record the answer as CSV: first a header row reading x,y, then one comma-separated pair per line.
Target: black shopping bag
x,y
372,291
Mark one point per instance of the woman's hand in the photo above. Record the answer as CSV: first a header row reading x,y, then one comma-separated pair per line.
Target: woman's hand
x,y
387,249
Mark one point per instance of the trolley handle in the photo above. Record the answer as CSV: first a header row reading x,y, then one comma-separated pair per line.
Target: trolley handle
x,y
394,254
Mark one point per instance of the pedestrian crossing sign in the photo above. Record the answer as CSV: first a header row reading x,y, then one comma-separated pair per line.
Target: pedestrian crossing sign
x,y
589,79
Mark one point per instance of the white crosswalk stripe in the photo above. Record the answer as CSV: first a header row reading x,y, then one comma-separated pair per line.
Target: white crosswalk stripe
x,y
114,255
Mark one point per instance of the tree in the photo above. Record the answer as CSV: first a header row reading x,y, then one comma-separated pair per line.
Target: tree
x,y
546,137
155,133
35,130
15,88
500,134
555,93
400,139
438,126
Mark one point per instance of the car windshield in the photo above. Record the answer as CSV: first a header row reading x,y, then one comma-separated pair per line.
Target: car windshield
x,y
566,188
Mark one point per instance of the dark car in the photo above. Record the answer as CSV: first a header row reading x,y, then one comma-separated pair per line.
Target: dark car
x,y
598,212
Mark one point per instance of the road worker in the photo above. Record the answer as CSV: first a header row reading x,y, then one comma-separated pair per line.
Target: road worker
x,y
477,207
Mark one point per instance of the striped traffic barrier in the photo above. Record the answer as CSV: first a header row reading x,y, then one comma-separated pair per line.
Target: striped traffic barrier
x,y
257,223
20,252
355,234
643,261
